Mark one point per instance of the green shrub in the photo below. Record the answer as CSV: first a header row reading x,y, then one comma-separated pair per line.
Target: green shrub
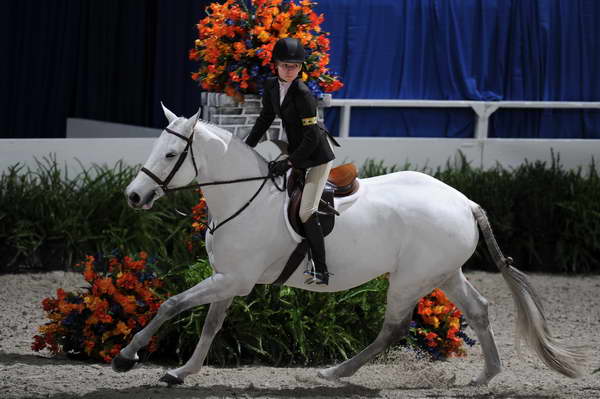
x,y
48,220
277,325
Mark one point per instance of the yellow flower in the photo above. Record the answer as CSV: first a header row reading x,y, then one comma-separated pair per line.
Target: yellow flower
x,y
122,329
263,36
453,322
106,336
440,309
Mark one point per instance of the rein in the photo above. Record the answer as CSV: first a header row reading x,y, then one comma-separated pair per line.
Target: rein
x,y
164,184
246,205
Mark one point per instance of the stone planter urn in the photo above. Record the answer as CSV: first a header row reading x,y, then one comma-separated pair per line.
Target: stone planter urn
x,y
238,118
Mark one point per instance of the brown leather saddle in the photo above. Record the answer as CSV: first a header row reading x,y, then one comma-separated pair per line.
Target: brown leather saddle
x,y
342,182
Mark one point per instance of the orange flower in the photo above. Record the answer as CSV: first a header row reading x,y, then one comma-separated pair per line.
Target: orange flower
x,y
96,304
128,280
89,346
122,329
89,274
128,303
66,308
103,286
132,264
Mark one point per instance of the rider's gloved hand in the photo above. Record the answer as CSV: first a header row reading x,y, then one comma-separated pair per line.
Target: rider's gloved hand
x,y
279,168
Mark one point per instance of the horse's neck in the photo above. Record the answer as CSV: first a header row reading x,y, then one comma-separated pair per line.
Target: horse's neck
x,y
226,158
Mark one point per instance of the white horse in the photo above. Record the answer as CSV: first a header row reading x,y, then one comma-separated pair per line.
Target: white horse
x,y
408,224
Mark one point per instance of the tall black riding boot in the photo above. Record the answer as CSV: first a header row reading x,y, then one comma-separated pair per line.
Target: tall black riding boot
x,y
314,235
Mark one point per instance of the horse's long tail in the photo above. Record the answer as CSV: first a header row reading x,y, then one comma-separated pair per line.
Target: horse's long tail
x,y
531,322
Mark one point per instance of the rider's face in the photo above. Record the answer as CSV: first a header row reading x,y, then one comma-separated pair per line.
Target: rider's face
x,y
288,71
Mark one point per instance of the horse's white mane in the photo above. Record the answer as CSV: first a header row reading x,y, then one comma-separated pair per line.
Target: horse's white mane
x,y
215,127
227,136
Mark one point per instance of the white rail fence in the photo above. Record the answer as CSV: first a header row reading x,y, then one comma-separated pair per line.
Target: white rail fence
x,y
105,142
483,109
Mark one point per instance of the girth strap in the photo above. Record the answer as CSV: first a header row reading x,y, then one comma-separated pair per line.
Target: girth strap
x,y
292,263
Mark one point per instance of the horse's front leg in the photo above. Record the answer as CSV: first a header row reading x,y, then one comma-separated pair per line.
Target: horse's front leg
x,y
212,325
219,287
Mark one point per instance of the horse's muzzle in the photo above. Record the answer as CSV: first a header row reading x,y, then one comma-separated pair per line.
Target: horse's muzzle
x,y
135,201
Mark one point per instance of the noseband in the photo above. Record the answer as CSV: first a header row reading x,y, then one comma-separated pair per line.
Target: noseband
x,y
164,184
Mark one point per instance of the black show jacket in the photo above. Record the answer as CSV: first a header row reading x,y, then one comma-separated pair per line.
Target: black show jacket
x,y
307,140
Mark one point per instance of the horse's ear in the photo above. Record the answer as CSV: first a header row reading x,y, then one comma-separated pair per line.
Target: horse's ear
x,y
191,122
170,116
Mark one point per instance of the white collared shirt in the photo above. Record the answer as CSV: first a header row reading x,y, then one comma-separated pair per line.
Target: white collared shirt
x,y
283,89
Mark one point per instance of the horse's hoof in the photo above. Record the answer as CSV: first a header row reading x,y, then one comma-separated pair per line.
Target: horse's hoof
x,y
121,364
171,380
328,374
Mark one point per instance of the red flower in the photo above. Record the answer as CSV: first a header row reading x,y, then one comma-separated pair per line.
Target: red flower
x,y
61,294
49,304
38,343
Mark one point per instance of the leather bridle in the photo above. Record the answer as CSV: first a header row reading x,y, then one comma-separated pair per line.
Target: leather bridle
x,y
164,184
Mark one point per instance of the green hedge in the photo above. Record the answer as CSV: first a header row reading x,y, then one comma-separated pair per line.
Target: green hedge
x,y
49,220
276,326
545,217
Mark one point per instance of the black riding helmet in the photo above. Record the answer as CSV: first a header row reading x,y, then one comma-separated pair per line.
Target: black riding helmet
x,y
288,49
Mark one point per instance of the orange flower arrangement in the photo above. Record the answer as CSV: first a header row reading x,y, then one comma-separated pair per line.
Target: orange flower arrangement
x,y
199,217
235,42
437,327
97,323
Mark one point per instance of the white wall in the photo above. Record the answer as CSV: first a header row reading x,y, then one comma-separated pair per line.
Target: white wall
x,y
423,152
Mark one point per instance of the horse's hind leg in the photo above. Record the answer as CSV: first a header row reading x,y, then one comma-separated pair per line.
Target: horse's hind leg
x,y
395,325
475,306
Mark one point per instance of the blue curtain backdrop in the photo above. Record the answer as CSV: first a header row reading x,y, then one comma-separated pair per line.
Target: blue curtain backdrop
x,y
114,60
538,50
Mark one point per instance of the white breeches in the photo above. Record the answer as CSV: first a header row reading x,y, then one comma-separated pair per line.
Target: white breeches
x,y
316,177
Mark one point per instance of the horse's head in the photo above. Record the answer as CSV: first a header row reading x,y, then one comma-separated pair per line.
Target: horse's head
x,y
170,164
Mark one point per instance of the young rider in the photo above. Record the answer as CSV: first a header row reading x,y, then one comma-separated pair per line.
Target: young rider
x,y
309,146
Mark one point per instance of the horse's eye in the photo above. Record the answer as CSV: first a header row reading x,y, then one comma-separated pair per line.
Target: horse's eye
x,y
170,155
